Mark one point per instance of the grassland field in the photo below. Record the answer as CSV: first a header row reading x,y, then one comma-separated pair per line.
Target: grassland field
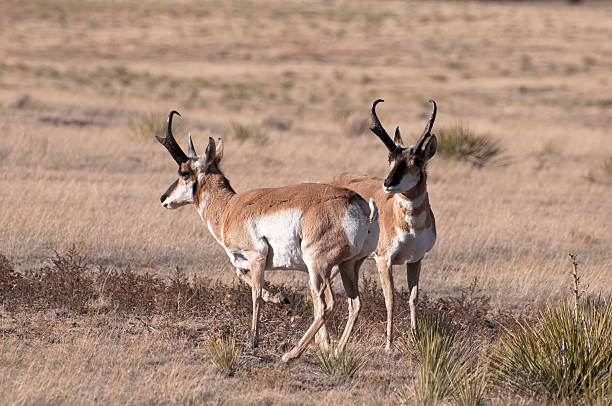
x,y
84,87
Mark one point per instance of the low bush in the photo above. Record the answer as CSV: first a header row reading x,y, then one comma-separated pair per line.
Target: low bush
x,y
460,142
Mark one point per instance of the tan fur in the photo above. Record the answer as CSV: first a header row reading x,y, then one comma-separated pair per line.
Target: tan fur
x,y
335,226
392,216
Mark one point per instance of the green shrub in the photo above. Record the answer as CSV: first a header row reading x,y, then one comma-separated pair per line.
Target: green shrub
x,y
560,356
459,142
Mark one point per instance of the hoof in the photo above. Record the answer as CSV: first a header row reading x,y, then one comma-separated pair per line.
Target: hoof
x,y
253,341
283,299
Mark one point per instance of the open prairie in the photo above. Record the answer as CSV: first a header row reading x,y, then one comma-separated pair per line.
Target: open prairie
x,y
84,87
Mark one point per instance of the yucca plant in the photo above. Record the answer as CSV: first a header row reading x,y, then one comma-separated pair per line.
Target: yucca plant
x,y
225,354
346,363
563,355
444,362
460,142
470,388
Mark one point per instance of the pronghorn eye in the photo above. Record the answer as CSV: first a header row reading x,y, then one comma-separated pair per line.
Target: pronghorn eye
x,y
184,174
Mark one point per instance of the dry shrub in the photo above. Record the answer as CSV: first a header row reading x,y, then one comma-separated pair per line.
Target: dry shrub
x,y
356,125
277,121
148,126
244,133
470,311
460,142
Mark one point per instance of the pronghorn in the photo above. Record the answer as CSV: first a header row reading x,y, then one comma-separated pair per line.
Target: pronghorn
x,y
407,224
309,227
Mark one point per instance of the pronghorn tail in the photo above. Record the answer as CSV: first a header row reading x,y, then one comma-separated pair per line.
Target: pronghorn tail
x,y
373,211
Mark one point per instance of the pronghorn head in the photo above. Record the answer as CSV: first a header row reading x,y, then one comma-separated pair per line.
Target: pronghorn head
x,y
407,163
192,169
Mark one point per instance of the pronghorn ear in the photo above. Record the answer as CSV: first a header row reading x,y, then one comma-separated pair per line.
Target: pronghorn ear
x,y
209,155
430,148
192,153
219,150
398,138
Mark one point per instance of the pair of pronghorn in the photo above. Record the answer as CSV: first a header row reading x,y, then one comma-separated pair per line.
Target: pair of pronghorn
x,y
322,228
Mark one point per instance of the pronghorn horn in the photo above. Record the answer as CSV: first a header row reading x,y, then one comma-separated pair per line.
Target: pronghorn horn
x,y
427,131
378,129
170,143
191,153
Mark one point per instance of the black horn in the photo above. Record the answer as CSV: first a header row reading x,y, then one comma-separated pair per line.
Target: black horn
x,y
378,129
427,131
170,143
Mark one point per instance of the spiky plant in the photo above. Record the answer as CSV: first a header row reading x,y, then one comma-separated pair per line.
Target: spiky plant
x,y
346,363
225,354
560,356
444,363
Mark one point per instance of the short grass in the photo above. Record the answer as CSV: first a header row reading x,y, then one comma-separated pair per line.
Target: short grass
x,y
75,75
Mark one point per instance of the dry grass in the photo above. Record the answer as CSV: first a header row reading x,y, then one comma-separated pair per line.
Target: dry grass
x,y
74,76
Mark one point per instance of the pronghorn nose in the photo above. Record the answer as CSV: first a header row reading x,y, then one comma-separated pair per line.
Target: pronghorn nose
x,y
164,196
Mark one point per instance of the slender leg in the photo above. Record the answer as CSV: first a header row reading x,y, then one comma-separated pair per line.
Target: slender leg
x,y
325,299
350,279
321,338
257,262
412,274
267,297
386,281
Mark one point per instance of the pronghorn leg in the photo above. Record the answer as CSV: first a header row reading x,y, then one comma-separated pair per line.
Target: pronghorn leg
x,y
321,338
325,305
386,280
412,274
267,297
349,271
257,262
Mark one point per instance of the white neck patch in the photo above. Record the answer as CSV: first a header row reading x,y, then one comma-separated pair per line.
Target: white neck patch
x,y
411,204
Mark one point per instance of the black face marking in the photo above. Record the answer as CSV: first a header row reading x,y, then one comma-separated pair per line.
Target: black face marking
x,y
396,174
169,191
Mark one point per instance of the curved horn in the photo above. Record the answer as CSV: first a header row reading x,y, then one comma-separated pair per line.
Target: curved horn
x,y
427,131
378,129
170,143
192,153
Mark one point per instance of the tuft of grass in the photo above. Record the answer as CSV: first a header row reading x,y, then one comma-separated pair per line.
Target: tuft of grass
x,y
564,355
550,147
225,354
606,166
460,142
346,363
147,126
244,133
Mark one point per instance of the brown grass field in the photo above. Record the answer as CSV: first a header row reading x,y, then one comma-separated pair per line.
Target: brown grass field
x,y
84,86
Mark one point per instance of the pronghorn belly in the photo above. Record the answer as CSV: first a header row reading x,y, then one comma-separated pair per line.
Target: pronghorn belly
x,y
410,245
279,234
